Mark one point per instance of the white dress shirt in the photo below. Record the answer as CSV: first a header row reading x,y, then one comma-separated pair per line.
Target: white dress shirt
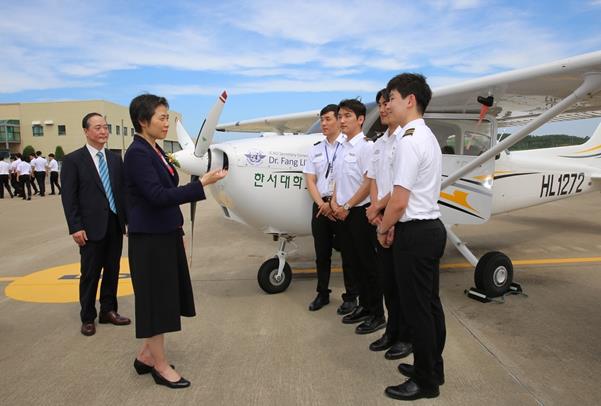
x,y
382,161
322,155
14,164
39,164
4,167
93,151
418,168
53,166
350,170
24,168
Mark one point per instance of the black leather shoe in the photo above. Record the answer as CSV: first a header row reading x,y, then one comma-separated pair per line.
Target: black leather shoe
x,y
399,350
382,343
141,368
160,380
359,314
320,301
346,307
371,325
409,371
88,329
410,390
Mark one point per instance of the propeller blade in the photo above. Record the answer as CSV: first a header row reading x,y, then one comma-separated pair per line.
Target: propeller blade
x,y
205,137
193,178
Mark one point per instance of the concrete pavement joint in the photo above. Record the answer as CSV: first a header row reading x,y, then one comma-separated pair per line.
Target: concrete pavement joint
x,y
499,361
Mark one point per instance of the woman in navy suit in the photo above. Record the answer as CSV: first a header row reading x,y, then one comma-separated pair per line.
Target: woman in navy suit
x,y
157,259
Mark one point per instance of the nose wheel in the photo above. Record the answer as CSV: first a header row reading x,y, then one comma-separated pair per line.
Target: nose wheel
x,y
270,279
275,275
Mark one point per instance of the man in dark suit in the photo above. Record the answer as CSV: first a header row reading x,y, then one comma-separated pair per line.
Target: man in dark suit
x,y
93,200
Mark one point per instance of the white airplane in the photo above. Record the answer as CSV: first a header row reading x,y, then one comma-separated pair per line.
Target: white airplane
x,y
265,187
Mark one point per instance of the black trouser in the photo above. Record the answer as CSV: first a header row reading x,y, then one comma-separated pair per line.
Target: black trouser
x,y
40,177
15,184
101,255
25,181
54,181
324,232
359,242
396,326
4,184
33,185
418,246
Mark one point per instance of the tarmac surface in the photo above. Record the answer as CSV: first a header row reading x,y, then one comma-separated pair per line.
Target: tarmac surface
x,y
248,348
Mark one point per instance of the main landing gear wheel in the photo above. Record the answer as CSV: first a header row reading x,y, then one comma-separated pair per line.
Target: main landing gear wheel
x,y
494,274
268,277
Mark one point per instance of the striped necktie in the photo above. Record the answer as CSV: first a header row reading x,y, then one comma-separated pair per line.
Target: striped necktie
x,y
106,181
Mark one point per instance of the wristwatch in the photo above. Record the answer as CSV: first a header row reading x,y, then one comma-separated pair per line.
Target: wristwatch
x,y
346,206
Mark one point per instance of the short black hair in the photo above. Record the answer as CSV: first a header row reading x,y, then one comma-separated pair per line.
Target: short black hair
x,y
18,155
84,121
330,107
142,107
353,105
38,153
381,93
415,84
51,155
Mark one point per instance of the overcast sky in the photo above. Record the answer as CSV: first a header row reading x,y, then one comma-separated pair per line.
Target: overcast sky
x,y
276,57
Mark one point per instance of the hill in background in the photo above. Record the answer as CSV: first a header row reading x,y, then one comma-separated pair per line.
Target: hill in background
x,y
545,141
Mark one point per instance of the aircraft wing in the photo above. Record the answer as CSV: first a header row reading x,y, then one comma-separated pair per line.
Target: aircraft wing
x,y
522,94
287,123
519,96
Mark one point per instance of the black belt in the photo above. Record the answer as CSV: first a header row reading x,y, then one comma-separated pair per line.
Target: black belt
x,y
326,199
417,221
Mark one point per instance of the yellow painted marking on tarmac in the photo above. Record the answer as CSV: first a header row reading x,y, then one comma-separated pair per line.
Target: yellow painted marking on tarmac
x,y
59,285
459,265
8,278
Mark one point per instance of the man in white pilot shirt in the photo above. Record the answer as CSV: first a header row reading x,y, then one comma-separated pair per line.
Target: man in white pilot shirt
x,y
396,338
319,175
39,170
349,203
411,224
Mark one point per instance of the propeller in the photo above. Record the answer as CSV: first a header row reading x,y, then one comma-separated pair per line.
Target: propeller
x,y
205,137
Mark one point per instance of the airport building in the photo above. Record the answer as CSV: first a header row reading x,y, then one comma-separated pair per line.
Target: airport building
x,y
47,125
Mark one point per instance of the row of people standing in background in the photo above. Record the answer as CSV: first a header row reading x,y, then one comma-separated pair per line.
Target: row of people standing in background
x,y
379,201
25,174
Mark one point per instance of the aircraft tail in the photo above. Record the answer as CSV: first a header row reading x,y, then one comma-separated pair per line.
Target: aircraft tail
x,y
184,139
590,149
595,140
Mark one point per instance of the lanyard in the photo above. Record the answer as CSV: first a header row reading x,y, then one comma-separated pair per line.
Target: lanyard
x,y
325,146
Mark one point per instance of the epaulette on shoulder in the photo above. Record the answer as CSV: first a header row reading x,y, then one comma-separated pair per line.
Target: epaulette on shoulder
x,y
317,143
408,132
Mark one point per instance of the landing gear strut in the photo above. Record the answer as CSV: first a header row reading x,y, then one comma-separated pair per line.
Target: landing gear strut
x,y
275,274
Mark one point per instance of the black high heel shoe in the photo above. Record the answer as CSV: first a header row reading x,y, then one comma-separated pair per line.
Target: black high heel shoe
x,y
141,368
160,380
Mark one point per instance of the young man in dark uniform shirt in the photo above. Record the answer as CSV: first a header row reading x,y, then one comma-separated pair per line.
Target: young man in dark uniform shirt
x,y
412,226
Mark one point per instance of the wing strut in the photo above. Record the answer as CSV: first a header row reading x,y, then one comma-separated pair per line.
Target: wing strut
x,y
590,85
